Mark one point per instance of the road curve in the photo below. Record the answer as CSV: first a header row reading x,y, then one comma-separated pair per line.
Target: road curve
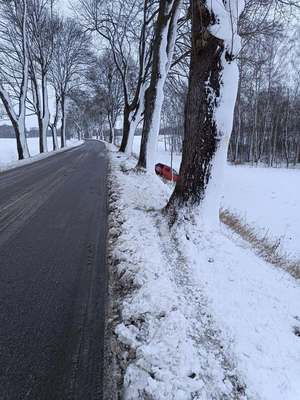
x,y
53,276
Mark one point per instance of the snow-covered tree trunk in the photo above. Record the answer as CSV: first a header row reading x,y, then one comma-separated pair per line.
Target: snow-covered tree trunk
x,y
18,119
18,125
134,121
46,112
63,121
53,125
213,85
163,47
111,131
54,136
24,84
127,118
41,106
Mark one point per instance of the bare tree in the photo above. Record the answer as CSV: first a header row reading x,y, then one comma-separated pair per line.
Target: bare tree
x,y
106,84
163,47
127,29
134,99
261,131
14,68
43,26
71,55
53,124
87,113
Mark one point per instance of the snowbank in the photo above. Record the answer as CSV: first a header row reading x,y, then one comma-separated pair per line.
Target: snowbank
x,y
9,155
201,317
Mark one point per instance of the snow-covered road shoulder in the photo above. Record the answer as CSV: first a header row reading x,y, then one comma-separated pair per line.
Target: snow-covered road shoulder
x,y
201,316
171,347
6,146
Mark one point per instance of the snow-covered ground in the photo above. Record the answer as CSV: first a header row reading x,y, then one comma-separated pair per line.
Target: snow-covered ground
x,y
266,198
9,155
203,317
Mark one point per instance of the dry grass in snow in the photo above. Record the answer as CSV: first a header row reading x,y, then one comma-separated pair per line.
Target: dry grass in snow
x,y
265,246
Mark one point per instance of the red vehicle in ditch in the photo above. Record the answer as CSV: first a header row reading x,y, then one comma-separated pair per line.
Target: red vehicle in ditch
x,y
166,172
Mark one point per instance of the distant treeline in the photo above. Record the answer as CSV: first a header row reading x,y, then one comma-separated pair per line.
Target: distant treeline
x,y
7,132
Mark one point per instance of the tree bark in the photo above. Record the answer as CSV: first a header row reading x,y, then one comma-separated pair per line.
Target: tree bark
x,y
54,137
111,131
126,126
200,131
41,108
18,120
20,135
212,91
63,121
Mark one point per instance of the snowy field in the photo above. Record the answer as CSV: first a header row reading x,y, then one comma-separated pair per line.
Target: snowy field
x,y
266,198
9,155
207,319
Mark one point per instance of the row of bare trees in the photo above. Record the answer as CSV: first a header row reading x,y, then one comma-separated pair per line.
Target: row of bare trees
x,y
178,64
140,36
266,122
267,119
153,95
40,52
156,63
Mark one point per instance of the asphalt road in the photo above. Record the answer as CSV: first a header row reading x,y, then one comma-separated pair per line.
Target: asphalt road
x,y
53,276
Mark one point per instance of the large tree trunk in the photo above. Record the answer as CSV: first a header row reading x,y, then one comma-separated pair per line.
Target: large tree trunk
x,y
24,85
135,120
18,120
40,98
127,115
18,125
63,122
111,131
213,85
134,110
166,30
53,126
46,113
41,140
54,137
22,147
132,118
